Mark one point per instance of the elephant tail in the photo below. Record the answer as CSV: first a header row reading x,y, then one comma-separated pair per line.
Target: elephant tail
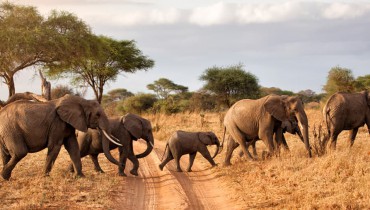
x,y
223,140
165,149
327,118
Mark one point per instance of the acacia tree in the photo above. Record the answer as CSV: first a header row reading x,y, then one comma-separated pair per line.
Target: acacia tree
x,y
102,62
27,39
230,84
339,79
164,87
363,83
118,94
274,90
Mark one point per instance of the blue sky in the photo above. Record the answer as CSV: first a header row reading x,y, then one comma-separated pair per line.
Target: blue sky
x,y
287,44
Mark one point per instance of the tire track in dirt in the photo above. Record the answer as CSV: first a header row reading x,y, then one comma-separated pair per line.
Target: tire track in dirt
x,y
169,189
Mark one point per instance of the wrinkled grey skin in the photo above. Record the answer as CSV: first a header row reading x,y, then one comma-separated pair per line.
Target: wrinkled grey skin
x,y
28,127
249,120
290,126
346,111
182,143
126,128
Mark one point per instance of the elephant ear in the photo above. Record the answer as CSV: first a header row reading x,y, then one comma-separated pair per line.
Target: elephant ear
x,y
276,106
205,138
133,124
367,95
71,112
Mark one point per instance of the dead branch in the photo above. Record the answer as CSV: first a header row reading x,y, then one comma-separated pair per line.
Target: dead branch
x,y
321,140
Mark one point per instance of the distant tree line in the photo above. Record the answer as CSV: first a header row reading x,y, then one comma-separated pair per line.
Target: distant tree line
x,y
223,86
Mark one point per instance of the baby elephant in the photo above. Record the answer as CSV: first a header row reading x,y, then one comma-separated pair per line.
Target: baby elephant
x,y
182,142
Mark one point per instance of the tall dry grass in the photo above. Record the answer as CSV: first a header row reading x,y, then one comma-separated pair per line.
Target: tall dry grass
x,y
335,180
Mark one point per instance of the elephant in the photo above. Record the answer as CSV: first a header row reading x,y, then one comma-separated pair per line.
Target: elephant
x,y
126,128
183,142
290,126
249,120
29,127
346,111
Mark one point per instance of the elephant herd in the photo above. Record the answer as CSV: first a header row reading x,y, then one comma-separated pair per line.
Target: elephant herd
x,y
84,129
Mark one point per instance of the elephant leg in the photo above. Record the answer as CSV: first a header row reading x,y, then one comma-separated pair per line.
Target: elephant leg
x,y
238,137
177,161
51,156
8,168
169,157
122,160
5,156
12,159
267,138
231,146
134,160
84,151
205,153
72,148
254,148
285,144
94,158
191,160
352,136
333,143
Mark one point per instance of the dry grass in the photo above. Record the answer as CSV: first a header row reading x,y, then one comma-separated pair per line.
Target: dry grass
x,y
335,180
29,189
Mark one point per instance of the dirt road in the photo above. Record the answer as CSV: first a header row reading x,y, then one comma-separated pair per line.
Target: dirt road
x,y
168,189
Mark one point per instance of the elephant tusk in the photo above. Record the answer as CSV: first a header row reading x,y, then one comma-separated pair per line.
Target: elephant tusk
x,y
110,139
151,144
300,125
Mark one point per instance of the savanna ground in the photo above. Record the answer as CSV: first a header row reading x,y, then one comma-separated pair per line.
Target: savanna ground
x,y
336,180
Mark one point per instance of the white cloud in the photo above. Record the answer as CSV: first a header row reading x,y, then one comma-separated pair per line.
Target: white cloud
x,y
345,10
219,13
246,13
149,17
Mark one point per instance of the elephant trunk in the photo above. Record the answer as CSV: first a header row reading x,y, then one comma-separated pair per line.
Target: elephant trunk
x,y
105,142
150,145
303,124
218,148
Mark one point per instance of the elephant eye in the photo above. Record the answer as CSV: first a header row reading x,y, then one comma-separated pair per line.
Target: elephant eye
x,y
98,114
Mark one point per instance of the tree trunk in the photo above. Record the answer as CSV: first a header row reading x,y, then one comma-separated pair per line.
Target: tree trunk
x,y
45,87
11,86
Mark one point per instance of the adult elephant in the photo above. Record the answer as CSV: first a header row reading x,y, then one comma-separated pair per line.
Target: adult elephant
x,y
248,120
126,128
290,126
28,127
346,111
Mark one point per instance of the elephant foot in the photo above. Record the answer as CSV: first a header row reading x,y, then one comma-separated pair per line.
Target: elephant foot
x,y
6,176
79,175
179,170
266,155
122,174
100,171
189,170
226,163
134,172
161,167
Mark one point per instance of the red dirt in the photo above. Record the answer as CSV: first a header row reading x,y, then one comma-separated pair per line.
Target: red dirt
x,y
168,189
